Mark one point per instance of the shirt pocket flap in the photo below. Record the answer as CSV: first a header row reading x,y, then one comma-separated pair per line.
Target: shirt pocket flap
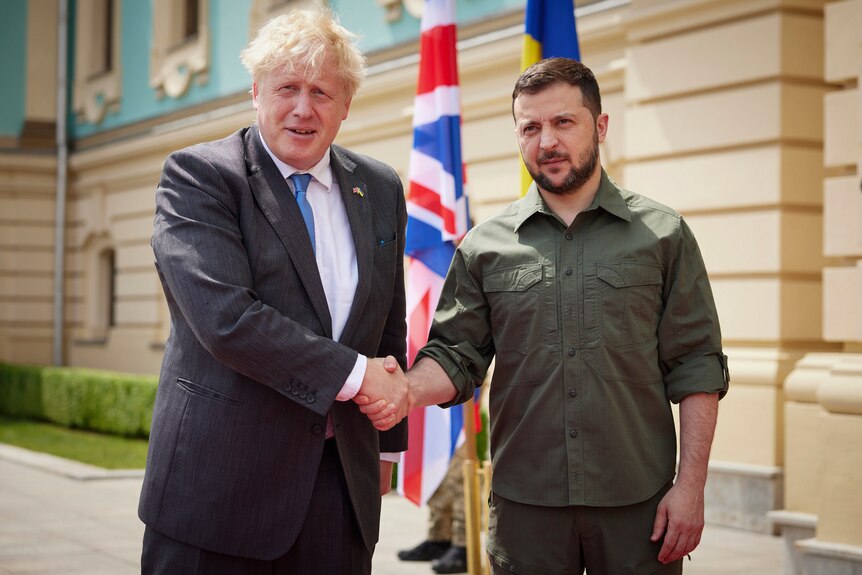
x,y
520,278
621,275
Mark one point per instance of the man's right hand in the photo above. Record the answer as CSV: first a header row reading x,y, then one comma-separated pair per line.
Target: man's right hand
x,y
383,395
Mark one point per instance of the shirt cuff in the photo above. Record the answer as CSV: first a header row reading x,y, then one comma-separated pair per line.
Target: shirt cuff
x,y
354,380
391,457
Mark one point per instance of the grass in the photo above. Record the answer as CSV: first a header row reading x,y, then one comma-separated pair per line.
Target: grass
x,y
108,451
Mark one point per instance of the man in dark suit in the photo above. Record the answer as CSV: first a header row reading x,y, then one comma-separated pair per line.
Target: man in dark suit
x,y
280,255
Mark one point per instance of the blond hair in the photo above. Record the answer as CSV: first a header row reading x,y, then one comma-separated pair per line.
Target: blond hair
x,y
306,40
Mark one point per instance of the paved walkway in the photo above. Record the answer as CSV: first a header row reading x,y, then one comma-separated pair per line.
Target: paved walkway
x,y
59,517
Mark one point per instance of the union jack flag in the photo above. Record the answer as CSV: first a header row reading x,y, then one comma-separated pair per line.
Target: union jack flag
x,y
437,217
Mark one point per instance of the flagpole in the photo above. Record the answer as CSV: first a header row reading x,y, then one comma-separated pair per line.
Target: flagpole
x,y
470,429
472,493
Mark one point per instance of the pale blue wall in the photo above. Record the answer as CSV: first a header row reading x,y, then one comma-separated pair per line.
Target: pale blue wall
x,y
13,66
228,20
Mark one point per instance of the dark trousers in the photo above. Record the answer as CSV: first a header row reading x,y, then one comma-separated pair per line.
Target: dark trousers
x,y
534,540
329,542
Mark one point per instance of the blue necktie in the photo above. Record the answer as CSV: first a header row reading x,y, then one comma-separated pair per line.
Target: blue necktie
x,y
300,184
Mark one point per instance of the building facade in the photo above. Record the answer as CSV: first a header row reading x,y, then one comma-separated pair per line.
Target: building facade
x,y
744,115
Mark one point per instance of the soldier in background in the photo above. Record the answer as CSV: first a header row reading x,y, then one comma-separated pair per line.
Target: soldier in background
x,y
446,544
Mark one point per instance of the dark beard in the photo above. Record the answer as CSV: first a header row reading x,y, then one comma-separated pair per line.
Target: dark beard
x,y
578,175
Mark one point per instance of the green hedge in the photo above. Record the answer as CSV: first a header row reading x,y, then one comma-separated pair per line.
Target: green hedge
x,y
21,390
115,403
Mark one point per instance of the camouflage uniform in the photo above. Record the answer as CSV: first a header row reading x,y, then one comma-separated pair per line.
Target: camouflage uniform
x,y
446,505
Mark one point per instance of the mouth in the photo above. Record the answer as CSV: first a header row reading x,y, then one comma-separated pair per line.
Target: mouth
x,y
301,132
554,165
551,160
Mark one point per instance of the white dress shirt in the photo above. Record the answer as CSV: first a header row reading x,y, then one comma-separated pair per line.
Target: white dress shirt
x,y
336,261
334,252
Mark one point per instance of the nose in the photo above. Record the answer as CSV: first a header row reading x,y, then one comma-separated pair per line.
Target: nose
x,y
548,140
302,104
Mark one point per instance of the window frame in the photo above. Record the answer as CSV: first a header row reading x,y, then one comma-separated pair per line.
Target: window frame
x,y
97,83
175,59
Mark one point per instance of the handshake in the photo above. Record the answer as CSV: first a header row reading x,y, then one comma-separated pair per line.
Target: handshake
x,y
385,395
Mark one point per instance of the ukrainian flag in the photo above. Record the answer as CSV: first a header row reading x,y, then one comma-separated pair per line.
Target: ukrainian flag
x,y
549,31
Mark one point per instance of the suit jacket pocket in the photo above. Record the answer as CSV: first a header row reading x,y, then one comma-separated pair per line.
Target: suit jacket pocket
x,y
383,242
203,391
385,254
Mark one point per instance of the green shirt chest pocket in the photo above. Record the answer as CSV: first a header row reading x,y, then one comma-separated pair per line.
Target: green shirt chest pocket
x,y
630,302
519,298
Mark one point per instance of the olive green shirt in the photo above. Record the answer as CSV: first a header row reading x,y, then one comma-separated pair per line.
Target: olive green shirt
x,y
596,328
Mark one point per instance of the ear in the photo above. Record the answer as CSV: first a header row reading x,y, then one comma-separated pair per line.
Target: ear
x,y
347,107
254,95
602,127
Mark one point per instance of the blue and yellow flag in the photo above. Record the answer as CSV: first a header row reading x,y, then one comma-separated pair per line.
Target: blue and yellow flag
x,y
549,31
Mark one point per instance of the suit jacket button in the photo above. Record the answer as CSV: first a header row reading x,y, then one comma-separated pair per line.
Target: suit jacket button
x,y
302,394
317,429
310,398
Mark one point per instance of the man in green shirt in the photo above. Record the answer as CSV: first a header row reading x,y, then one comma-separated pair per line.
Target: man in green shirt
x,y
597,306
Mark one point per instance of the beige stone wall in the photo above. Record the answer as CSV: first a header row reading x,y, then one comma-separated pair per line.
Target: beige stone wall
x,y
824,392
27,191
27,204
110,207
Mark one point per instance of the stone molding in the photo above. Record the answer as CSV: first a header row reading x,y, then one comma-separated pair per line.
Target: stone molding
x,y
804,382
826,558
842,392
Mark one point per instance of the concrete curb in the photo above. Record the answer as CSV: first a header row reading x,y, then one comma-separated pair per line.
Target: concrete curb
x,y
64,467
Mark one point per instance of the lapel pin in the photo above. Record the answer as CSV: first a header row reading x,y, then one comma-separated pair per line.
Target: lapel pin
x,y
358,192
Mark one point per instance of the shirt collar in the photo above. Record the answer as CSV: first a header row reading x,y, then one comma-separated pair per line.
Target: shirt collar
x,y
608,197
321,171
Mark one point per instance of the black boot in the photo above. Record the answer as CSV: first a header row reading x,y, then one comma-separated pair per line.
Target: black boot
x,y
453,561
425,551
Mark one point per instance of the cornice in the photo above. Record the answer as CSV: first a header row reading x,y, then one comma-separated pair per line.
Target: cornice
x,y
649,20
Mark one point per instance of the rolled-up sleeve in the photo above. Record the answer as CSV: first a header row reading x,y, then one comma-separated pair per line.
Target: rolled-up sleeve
x,y
689,335
460,339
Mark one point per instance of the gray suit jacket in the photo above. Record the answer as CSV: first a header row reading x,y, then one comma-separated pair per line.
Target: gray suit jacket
x,y
250,368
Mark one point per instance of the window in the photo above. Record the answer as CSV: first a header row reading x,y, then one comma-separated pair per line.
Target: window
x,y
180,51
108,288
97,59
190,21
102,58
99,289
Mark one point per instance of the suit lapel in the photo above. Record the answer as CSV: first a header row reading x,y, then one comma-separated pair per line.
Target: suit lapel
x,y
273,195
360,216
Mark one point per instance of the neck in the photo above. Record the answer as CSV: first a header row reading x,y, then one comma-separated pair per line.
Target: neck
x,y
568,206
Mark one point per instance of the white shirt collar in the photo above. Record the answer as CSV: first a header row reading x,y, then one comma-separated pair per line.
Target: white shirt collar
x,y
321,171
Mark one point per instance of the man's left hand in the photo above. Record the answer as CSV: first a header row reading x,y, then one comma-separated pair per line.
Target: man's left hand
x,y
680,519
